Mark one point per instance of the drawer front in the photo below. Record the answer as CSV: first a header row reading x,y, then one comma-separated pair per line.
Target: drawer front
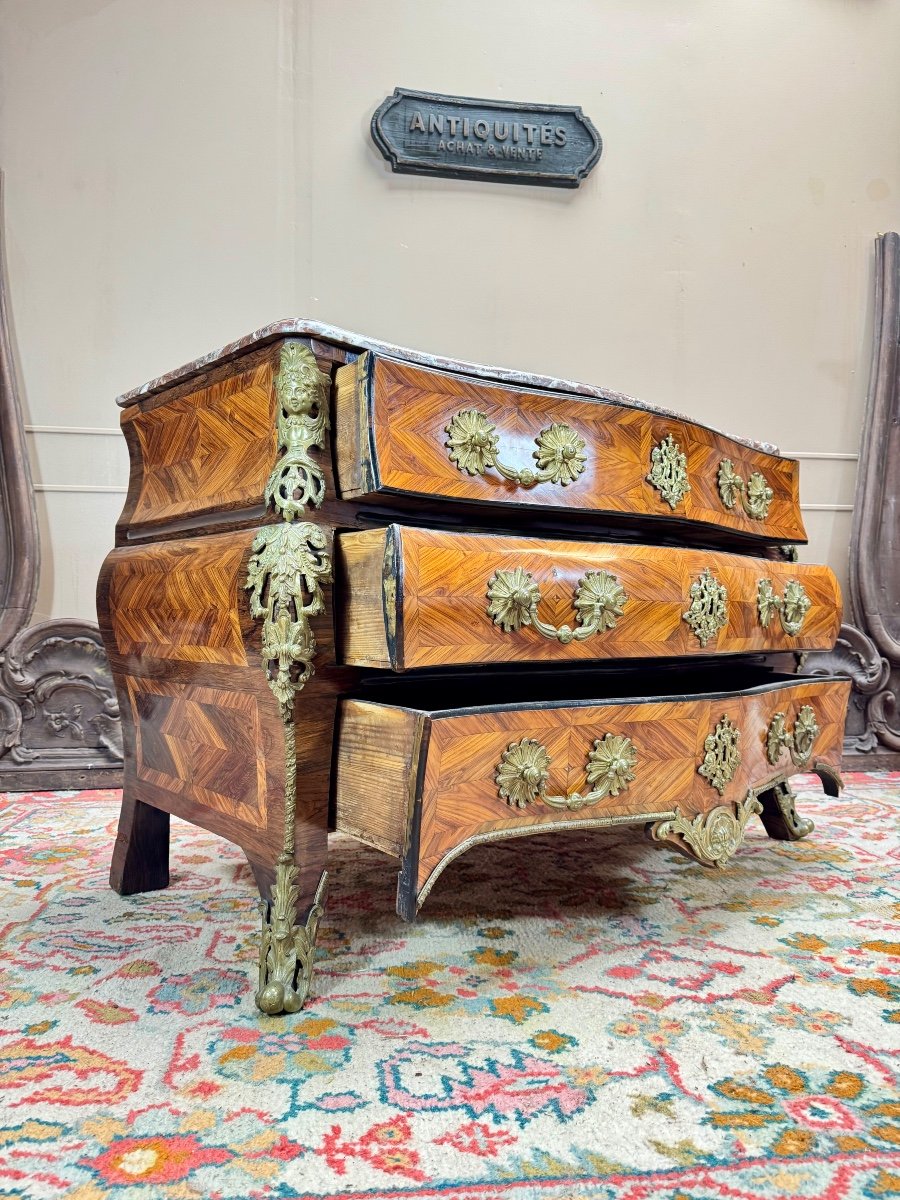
x,y
424,598
403,428
502,771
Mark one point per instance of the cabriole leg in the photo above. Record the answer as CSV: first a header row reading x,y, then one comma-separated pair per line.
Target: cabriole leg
x,y
286,572
779,814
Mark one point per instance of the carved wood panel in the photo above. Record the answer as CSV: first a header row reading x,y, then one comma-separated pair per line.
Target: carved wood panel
x,y
59,717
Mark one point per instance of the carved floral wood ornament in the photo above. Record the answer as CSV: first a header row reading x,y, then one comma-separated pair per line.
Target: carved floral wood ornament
x,y
59,716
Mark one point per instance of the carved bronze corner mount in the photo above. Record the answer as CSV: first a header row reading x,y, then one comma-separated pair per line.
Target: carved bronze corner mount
x,y
722,755
300,391
668,471
754,494
513,599
473,447
286,571
713,837
524,769
799,741
287,950
288,567
791,606
708,611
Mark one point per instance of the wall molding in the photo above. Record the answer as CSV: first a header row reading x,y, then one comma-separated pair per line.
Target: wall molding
x,y
92,431
108,489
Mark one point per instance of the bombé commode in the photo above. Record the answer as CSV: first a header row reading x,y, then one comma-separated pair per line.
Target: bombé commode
x,y
447,604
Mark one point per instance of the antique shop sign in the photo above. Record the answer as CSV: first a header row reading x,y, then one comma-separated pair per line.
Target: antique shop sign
x,y
421,133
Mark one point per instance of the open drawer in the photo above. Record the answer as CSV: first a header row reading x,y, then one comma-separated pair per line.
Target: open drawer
x,y
417,598
407,429
424,783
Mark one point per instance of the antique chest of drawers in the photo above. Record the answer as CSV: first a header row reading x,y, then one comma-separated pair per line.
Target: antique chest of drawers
x,y
432,604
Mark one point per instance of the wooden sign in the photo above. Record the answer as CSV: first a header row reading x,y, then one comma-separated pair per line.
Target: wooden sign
x,y
423,133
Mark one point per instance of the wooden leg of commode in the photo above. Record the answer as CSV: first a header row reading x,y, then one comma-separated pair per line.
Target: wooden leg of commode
x,y
264,876
780,817
298,880
140,861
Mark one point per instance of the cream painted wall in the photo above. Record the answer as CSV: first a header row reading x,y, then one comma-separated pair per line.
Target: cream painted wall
x,y
179,174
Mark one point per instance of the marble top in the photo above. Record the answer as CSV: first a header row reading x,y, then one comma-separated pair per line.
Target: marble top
x,y
300,327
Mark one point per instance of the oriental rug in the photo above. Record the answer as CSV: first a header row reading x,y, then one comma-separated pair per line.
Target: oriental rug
x,y
572,1016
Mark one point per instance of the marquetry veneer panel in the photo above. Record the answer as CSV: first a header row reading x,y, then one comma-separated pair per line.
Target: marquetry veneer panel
x,y
245,465
211,449
203,728
419,598
176,600
201,743
437,790
392,417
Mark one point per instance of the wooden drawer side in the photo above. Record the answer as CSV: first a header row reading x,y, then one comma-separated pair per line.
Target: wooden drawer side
x,y
353,456
368,584
376,773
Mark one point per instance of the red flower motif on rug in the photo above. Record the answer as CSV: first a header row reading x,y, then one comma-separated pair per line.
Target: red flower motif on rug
x,y
593,1020
153,1160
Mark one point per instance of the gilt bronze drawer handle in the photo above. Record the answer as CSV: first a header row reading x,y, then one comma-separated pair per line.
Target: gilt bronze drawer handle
x,y
792,606
524,768
473,445
755,494
799,741
513,598
668,471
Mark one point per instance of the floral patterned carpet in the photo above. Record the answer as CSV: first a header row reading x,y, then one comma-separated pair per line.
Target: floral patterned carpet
x,y
574,1016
